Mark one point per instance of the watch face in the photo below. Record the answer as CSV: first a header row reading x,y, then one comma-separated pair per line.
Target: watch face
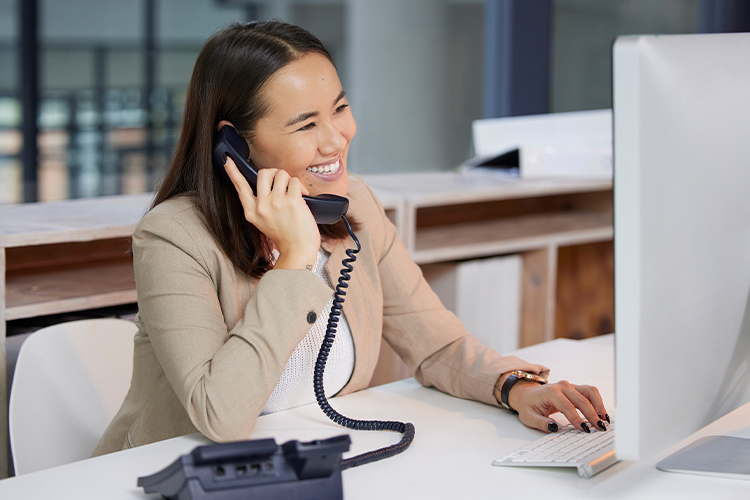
x,y
531,376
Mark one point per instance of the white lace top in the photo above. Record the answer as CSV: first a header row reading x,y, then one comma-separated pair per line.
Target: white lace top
x,y
295,387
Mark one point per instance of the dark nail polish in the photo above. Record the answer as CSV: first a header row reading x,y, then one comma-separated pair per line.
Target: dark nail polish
x,y
552,426
585,427
606,417
601,425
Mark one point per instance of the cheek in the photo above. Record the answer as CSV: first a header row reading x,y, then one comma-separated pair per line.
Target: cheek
x,y
297,153
291,156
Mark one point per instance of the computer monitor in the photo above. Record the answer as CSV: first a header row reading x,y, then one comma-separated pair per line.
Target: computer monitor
x,y
682,235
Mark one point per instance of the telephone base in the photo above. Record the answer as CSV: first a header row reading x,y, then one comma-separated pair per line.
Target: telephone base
x,y
258,469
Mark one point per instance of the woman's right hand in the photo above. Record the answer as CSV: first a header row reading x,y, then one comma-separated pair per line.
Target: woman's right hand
x,y
279,212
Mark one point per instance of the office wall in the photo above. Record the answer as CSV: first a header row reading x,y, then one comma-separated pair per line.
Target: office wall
x,y
415,75
397,80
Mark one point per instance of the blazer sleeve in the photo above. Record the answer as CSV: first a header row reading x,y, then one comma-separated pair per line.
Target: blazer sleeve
x,y
430,339
222,378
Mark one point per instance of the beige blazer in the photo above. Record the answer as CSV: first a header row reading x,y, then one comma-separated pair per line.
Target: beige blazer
x,y
212,342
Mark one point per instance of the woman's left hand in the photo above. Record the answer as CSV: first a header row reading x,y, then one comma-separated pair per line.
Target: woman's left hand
x,y
535,403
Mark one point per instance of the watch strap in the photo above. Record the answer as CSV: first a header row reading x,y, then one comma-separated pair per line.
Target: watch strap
x,y
505,390
514,377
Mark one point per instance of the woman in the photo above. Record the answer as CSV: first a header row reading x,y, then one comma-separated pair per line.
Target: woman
x,y
234,288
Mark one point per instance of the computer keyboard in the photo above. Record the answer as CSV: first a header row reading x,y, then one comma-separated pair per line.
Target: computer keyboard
x,y
590,453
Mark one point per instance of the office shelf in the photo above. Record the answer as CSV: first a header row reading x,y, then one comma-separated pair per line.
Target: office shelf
x,y
69,288
450,217
509,235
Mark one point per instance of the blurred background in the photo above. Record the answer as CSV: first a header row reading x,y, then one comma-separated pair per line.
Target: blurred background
x,y
95,89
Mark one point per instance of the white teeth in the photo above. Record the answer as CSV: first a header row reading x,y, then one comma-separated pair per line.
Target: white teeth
x,y
331,168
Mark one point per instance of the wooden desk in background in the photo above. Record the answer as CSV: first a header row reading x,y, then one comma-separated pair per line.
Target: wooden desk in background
x,y
61,257
73,255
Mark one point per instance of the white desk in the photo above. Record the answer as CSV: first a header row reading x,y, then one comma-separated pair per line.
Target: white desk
x,y
450,458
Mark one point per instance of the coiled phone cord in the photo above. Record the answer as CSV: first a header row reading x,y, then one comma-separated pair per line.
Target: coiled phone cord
x,y
407,429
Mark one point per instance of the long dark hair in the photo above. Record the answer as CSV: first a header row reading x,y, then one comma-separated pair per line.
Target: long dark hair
x,y
226,84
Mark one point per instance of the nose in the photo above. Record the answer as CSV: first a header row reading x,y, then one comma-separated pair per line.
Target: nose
x,y
332,141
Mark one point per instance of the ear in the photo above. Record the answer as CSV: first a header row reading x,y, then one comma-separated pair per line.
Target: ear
x,y
222,123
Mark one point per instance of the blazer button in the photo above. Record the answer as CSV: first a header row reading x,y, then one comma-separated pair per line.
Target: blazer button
x,y
311,317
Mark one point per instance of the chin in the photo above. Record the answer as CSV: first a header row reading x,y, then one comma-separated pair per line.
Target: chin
x,y
343,187
340,187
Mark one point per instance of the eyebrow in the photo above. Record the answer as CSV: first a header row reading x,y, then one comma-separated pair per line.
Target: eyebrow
x,y
304,116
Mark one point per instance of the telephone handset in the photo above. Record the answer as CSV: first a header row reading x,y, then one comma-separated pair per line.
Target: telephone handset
x,y
325,208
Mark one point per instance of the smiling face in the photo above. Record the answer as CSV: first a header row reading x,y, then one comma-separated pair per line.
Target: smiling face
x,y
309,125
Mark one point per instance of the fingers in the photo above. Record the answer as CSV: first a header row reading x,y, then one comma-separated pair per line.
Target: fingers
x,y
583,398
266,181
278,183
580,402
279,212
274,189
565,401
295,188
541,422
592,394
240,184
304,189
539,402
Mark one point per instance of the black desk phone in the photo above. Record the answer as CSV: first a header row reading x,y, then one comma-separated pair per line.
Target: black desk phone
x,y
326,208
294,470
257,470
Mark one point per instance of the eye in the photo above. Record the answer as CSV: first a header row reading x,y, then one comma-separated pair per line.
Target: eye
x,y
341,108
309,126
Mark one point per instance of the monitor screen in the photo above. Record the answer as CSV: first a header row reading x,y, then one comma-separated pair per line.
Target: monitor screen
x,y
682,235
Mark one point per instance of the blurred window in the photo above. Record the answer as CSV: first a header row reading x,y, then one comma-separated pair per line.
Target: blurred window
x,y
581,43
